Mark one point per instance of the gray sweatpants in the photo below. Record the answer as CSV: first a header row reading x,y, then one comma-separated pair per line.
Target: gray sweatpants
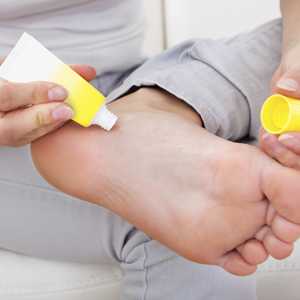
x,y
37,220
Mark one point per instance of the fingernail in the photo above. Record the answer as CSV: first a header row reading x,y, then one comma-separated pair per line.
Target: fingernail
x,y
288,84
62,113
289,140
285,137
57,94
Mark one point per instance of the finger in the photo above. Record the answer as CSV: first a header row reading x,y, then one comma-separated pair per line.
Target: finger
x,y
285,230
16,95
235,264
277,150
253,252
1,60
85,71
289,84
262,132
267,142
276,77
291,141
44,130
22,126
277,248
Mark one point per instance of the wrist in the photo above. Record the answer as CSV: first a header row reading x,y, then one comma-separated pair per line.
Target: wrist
x,y
290,19
156,99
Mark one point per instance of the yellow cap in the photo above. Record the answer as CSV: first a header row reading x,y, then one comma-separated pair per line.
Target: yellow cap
x,y
281,114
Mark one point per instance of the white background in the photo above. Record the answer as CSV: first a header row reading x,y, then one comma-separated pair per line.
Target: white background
x,y
203,18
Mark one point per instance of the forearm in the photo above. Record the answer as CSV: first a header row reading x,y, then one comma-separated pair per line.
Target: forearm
x,y
291,23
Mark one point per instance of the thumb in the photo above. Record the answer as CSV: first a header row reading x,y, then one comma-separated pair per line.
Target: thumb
x,y
289,84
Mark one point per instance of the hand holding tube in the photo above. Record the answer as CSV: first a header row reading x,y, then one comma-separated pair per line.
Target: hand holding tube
x,y
31,110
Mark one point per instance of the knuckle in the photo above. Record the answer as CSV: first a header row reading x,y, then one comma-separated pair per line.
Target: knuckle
x,y
39,91
42,118
39,119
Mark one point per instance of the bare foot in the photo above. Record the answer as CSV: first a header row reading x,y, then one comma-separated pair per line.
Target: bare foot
x,y
202,196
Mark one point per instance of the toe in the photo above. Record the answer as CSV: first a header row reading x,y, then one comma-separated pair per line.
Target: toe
x,y
281,187
285,230
234,263
262,233
277,248
253,252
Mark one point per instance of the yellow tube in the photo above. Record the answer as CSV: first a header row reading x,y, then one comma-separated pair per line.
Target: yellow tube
x,y
31,61
84,99
280,114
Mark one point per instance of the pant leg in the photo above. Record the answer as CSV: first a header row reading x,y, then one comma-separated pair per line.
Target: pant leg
x,y
225,81
153,272
39,221
248,61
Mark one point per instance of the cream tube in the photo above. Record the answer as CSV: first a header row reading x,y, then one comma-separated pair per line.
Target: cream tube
x,y
31,61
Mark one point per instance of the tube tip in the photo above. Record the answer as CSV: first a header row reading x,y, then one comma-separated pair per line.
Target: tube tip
x,y
105,119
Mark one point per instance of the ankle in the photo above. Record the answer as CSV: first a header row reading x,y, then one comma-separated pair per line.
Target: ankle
x,y
156,99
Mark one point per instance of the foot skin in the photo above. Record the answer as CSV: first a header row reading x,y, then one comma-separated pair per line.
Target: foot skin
x,y
202,196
